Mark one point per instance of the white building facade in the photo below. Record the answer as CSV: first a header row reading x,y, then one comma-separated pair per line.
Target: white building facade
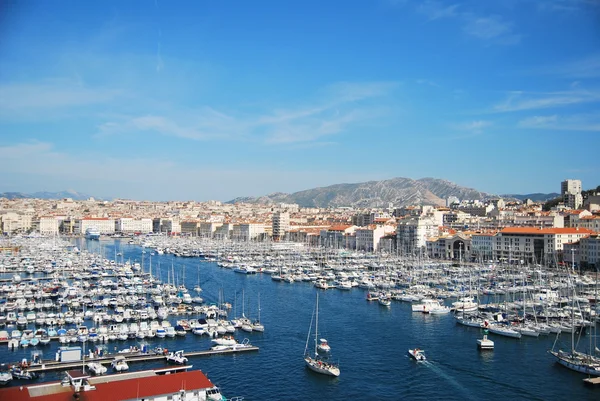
x,y
412,233
281,224
49,225
367,238
103,224
130,225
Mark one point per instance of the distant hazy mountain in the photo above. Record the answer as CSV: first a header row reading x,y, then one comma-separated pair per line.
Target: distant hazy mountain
x,y
46,195
537,197
398,191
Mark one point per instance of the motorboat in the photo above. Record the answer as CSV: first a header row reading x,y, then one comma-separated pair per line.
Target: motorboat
x,y
384,301
180,331
97,368
5,375
177,357
227,340
170,331
417,354
323,346
233,347
119,364
22,374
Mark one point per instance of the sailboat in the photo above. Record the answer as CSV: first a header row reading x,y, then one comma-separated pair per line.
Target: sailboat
x,y
573,359
257,325
197,288
314,362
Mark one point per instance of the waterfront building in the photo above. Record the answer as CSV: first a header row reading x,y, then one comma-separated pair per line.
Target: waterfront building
x,y
570,191
223,231
456,246
208,229
482,246
247,231
189,227
589,251
130,225
48,225
166,225
535,245
11,222
281,225
103,224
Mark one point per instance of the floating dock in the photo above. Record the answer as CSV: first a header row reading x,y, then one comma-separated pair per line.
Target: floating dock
x,y
592,381
49,365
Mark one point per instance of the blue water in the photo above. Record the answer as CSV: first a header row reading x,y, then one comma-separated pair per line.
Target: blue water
x,y
369,341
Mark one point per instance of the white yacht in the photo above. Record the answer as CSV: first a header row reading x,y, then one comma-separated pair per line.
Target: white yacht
x,y
92,233
97,368
119,364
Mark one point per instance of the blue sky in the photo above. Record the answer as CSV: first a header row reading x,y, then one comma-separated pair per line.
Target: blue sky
x,y
217,99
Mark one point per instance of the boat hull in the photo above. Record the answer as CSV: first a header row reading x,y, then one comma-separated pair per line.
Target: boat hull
x,y
322,367
575,364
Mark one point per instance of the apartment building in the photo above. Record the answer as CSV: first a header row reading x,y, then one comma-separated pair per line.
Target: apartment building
x,y
207,229
367,238
412,233
280,224
247,231
48,225
130,225
570,190
103,224
537,245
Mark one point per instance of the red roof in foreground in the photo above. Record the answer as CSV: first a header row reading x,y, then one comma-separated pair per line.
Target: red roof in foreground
x,y
134,388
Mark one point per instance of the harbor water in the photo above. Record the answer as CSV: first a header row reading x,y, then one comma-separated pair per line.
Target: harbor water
x,y
369,341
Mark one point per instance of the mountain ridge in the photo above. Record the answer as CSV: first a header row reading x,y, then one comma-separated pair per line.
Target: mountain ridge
x,y
47,195
399,191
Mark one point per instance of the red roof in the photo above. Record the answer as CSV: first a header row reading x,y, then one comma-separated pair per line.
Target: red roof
x,y
134,388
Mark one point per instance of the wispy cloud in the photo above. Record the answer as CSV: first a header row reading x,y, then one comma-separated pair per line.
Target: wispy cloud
x,y
581,122
519,101
342,106
566,5
473,128
587,67
493,29
428,82
31,99
434,10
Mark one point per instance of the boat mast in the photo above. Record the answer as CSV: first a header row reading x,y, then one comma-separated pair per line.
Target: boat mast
x,y
316,324
572,304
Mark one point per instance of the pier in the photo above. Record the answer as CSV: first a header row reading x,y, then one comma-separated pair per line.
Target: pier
x,y
50,365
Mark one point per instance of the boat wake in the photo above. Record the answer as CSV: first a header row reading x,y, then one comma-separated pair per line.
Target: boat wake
x,y
451,380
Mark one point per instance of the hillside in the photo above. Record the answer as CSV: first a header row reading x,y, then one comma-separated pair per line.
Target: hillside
x,y
397,191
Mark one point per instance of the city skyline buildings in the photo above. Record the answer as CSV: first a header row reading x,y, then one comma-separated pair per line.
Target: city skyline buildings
x,y
150,100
